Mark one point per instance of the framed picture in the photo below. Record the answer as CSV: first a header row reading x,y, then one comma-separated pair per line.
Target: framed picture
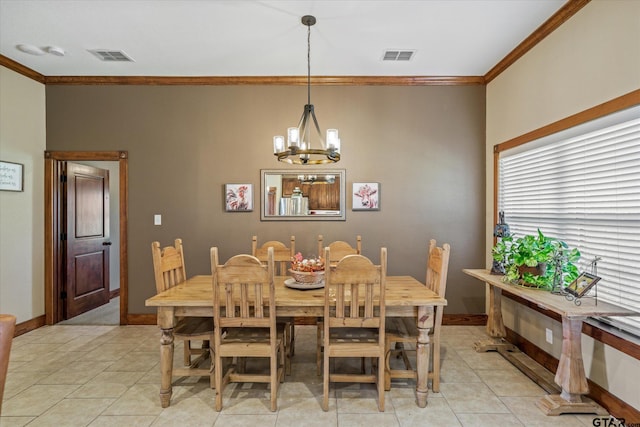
x,y
366,196
582,284
238,197
11,176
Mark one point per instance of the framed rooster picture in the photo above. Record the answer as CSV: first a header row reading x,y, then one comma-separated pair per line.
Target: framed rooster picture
x,y
366,196
238,197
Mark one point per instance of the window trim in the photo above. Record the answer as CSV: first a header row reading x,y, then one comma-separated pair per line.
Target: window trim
x,y
596,329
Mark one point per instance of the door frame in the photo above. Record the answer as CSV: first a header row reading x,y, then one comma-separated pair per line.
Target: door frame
x,y
52,273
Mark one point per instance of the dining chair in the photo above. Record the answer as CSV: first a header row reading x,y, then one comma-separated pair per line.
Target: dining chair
x,y
169,270
7,329
354,319
282,255
244,311
338,250
402,332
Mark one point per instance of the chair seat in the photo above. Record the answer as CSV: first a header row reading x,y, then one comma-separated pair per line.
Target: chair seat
x,y
250,335
354,342
193,326
353,335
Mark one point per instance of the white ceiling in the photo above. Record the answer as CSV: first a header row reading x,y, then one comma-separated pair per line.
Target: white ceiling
x,y
266,38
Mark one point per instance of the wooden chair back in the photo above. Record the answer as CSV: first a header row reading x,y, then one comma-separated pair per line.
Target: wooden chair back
x,y
339,249
437,267
356,287
247,288
7,329
169,271
168,265
282,253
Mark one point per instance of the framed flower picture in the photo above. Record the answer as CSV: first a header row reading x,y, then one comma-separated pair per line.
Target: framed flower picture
x,y
238,197
366,196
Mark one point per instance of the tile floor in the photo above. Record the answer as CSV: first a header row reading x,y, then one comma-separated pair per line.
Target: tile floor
x,y
74,375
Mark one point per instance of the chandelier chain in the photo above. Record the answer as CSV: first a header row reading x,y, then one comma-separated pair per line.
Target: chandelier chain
x,y
308,64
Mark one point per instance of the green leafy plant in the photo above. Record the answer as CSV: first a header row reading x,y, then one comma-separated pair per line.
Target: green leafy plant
x,y
534,251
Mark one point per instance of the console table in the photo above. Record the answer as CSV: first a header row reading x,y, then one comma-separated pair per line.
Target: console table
x,y
570,375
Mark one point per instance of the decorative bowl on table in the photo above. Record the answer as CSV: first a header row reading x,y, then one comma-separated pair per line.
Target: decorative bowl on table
x,y
307,270
307,277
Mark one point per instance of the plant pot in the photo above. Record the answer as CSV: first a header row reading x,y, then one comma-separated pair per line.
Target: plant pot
x,y
538,270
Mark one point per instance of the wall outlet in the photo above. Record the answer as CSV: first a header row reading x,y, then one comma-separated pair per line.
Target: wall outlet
x,y
157,219
549,336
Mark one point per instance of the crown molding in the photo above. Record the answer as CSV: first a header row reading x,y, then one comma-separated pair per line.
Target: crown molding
x,y
570,8
21,69
268,80
563,14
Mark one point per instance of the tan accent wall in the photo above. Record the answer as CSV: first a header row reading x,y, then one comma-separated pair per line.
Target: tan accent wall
x,y
424,145
592,58
22,140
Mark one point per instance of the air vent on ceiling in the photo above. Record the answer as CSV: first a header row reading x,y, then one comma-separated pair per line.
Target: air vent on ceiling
x,y
111,55
398,55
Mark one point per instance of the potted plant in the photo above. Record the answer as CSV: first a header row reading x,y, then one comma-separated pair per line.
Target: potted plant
x,y
537,261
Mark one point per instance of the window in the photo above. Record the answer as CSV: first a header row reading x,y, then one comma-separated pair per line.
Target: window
x,y
582,185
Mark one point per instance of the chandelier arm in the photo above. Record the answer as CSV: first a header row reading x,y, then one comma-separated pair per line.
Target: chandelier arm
x,y
315,121
302,127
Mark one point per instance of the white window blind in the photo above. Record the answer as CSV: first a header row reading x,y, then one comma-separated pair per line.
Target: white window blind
x,y
585,190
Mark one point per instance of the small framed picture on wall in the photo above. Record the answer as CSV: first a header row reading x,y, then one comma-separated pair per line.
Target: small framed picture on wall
x,y
238,197
366,196
11,176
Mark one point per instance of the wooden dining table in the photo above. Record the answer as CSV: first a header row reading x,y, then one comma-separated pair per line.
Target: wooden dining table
x,y
404,297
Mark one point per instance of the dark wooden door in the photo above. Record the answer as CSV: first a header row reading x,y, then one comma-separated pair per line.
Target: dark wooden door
x,y
87,239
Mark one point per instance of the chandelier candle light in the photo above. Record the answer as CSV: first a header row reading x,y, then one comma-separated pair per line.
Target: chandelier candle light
x,y
298,150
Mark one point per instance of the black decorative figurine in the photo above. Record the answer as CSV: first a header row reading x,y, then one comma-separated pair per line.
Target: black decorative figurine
x,y
500,230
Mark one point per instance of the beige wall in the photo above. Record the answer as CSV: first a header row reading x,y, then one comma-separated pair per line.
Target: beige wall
x,y
424,145
22,140
592,58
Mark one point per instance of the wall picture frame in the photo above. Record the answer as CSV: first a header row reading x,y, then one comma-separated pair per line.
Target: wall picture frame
x,y
579,287
365,196
11,176
238,197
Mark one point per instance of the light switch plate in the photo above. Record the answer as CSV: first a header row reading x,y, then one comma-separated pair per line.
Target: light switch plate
x,y
549,336
157,219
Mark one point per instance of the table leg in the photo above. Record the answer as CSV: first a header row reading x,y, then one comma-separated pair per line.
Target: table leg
x,y
166,366
423,349
570,376
166,321
495,325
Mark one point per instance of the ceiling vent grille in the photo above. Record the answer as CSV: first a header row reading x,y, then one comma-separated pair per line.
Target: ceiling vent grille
x,y
111,55
398,55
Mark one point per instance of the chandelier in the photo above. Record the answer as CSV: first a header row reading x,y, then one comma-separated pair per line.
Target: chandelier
x,y
299,149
